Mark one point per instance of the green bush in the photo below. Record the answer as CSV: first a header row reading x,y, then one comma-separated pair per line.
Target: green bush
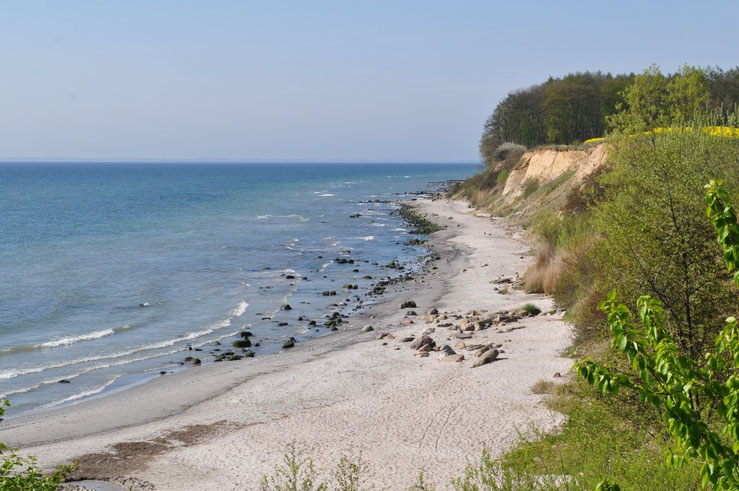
x,y
656,238
21,473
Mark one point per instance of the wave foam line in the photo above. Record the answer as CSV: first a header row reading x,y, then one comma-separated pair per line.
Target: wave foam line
x,y
16,372
66,341
82,395
76,339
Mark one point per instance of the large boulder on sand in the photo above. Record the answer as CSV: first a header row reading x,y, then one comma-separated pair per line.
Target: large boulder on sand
x,y
487,357
424,340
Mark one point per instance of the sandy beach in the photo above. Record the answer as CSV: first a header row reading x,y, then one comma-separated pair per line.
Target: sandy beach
x,y
223,426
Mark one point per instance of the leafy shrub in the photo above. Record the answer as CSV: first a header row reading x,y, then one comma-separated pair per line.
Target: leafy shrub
x,y
656,238
687,390
19,473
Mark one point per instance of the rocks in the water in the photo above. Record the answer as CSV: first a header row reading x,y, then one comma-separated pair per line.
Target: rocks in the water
x,y
343,260
289,276
312,323
194,361
242,343
487,357
64,381
410,304
290,343
367,328
424,340
349,286
286,307
282,324
328,293
245,334
248,354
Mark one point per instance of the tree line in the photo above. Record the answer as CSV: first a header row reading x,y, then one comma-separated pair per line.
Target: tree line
x,y
580,106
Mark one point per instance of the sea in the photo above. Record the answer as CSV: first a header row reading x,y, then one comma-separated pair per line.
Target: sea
x,y
113,274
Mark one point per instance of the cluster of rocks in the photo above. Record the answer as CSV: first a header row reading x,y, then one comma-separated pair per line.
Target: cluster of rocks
x,y
464,326
476,320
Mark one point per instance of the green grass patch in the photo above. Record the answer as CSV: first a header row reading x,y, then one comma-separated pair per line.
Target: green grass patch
x,y
531,309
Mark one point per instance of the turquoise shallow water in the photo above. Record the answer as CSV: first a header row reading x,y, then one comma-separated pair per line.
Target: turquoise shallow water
x,y
109,273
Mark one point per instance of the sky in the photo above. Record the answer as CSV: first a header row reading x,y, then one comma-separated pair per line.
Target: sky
x,y
385,81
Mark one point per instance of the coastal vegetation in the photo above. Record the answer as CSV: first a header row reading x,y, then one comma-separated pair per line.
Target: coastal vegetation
x,y
18,472
583,107
636,226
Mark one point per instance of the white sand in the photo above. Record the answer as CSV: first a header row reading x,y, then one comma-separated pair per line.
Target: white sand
x,y
342,393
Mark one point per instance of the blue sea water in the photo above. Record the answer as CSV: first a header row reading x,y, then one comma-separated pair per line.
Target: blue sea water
x,y
110,273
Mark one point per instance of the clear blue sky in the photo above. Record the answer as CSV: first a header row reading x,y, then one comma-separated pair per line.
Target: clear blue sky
x,y
312,80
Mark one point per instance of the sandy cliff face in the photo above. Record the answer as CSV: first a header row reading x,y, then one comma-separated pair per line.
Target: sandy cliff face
x,y
546,165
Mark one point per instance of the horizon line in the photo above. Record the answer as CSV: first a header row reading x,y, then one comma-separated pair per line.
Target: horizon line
x,y
59,160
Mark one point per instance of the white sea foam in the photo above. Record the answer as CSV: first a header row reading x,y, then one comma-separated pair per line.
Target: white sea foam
x,y
76,339
326,194
239,310
16,372
82,395
295,216
399,230
375,224
368,237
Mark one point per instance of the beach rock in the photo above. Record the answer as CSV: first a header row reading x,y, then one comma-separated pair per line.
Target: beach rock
x,y
248,354
242,343
429,330
433,311
245,334
445,351
557,375
410,304
64,381
461,335
407,322
286,307
460,345
423,341
367,328
487,357
290,343
289,277
422,354
453,358
407,339
282,324
411,313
